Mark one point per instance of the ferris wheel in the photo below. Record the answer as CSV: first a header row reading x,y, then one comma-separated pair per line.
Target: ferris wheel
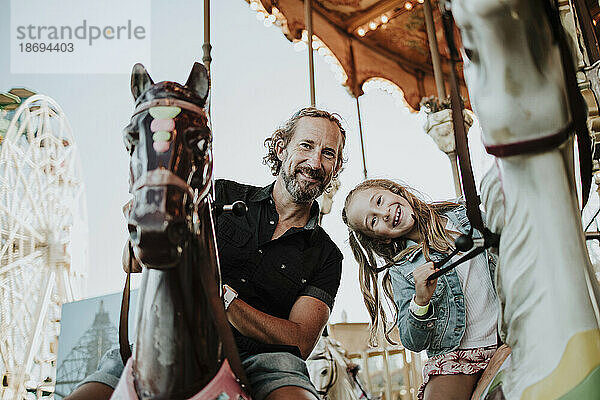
x,y
43,243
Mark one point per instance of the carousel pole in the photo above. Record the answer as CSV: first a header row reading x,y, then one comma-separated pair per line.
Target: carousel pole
x,y
311,65
206,48
433,49
439,82
362,144
328,196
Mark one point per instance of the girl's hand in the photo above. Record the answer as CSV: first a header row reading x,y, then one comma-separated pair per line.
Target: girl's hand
x,y
424,289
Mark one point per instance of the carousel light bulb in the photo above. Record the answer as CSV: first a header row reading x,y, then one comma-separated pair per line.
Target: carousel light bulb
x,y
275,10
384,19
408,5
316,45
267,23
421,1
254,5
260,16
299,46
372,25
272,18
361,32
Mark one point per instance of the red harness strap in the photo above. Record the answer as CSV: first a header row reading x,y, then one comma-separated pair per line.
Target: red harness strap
x,y
536,145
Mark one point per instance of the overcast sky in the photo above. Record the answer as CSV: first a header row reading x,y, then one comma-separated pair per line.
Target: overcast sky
x,y
258,81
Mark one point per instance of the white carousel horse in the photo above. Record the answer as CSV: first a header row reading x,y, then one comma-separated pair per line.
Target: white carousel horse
x,y
545,282
328,370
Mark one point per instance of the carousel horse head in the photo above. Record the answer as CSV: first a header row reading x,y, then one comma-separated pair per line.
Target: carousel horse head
x,y
512,67
328,370
169,141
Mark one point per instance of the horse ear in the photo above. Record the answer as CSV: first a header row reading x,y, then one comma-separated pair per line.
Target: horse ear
x,y
140,80
198,80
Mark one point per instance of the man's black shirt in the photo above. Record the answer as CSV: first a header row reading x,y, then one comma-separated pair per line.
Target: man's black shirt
x,y
268,274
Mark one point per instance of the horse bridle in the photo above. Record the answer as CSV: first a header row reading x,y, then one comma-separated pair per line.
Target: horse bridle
x,y
333,377
162,177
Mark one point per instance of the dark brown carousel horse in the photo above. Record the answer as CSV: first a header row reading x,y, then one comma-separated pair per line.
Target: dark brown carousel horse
x,y
184,347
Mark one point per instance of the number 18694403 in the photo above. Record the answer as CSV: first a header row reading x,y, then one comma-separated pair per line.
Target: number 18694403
x,y
65,47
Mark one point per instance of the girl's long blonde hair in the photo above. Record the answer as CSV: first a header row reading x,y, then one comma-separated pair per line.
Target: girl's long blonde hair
x,y
432,235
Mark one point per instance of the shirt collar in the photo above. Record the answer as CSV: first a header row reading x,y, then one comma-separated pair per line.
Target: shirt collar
x,y
263,193
266,192
314,216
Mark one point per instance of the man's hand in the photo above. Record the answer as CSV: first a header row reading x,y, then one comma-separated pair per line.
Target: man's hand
x,y
424,289
303,328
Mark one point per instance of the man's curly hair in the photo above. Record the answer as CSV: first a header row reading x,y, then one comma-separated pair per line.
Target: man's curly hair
x,y
286,132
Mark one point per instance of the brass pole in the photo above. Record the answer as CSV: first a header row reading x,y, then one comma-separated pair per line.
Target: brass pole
x,y
206,47
386,371
406,373
311,66
433,49
439,81
362,144
365,357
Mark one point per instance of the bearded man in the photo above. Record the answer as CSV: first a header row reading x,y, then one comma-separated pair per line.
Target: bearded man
x,y
280,270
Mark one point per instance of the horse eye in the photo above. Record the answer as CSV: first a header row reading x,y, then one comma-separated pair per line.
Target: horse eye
x,y
192,136
324,372
469,53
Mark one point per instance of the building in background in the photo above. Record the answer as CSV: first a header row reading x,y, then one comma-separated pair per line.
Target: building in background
x,y
84,357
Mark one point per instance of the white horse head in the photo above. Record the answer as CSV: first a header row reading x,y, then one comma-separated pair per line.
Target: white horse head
x,y
327,367
512,67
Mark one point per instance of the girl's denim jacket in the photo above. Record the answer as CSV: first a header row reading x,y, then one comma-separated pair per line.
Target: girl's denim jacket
x,y
442,331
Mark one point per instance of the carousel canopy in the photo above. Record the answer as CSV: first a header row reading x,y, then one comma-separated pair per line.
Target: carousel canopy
x,y
369,39
21,92
9,101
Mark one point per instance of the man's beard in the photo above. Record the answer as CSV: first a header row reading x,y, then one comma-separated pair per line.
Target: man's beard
x,y
307,192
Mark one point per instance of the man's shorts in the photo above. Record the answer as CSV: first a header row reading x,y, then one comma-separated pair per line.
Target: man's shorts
x,y
267,372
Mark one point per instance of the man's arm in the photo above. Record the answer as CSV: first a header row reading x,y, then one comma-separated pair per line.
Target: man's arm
x,y
303,328
91,391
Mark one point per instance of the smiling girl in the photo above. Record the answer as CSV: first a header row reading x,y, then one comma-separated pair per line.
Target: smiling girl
x,y
453,317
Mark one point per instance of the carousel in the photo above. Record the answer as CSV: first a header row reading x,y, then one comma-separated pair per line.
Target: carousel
x,y
408,49
538,108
